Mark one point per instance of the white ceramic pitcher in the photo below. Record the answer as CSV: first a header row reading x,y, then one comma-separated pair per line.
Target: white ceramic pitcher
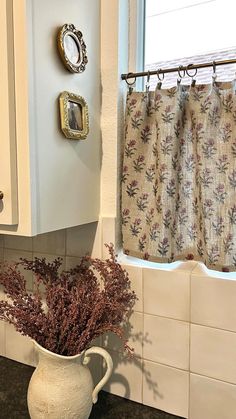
x,y
61,387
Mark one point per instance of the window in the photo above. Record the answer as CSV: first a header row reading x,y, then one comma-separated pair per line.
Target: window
x,y
179,32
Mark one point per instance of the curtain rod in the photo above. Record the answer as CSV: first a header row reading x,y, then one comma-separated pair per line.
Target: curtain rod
x,y
178,69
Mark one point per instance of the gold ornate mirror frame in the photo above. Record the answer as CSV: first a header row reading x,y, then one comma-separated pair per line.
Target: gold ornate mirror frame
x,y
74,116
72,48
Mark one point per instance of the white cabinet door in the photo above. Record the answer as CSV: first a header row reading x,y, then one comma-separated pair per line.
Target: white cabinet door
x,y
8,174
49,182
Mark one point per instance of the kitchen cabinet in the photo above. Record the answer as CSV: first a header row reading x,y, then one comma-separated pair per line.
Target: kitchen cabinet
x,y
48,182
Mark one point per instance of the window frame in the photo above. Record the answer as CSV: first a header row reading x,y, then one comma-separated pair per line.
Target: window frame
x,y
137,12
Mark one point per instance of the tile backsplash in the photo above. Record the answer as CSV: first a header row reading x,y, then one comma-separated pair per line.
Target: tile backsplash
x,y
70,245
183,328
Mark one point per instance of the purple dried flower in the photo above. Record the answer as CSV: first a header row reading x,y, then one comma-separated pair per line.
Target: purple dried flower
x,y
76,305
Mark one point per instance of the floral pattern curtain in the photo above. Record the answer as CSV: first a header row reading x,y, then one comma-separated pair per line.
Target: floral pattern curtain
x,y
179,175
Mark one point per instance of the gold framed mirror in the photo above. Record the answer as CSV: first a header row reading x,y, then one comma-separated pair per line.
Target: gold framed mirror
x,y
72,48
74,116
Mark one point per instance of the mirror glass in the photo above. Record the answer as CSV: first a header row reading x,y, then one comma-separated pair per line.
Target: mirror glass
x,y
75,116
71,49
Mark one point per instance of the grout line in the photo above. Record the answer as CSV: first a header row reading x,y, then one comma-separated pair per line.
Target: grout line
x,y
142,383
102,235
4,332
49,253
35,251
213,327
190,318
66,239
189,381
3,324
65,242
100,238
166,365
190,323
167,317
5,340
190,372
3,253
213,378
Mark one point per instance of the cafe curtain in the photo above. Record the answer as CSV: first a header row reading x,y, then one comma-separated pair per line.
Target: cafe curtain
x,y
179,175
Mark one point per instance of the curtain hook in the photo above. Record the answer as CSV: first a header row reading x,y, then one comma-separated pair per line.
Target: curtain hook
x,y
193,82
181,68
148,81
130,84
214,75
159,84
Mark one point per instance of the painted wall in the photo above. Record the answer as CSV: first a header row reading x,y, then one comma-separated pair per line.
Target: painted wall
x,y
184,324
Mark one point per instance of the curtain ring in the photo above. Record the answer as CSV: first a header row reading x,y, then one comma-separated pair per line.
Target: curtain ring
x,y
181,68
193,82
180,76
189,68
158,75
130,83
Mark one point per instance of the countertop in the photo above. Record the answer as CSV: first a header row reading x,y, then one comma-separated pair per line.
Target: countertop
x,y
14,380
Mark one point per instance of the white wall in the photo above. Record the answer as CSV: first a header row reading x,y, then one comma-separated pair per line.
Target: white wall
x,y
67,173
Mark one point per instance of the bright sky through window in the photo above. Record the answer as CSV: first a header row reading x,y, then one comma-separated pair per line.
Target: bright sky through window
x,y
183,28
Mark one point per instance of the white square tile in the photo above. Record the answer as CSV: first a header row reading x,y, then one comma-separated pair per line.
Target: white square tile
x,y
167,293
213,353
213,301
97,242
95,362
211,399
18,243
52,243
18,347
166,341
80,241
11,256
135,276
166,388
126,380
72,262
133,333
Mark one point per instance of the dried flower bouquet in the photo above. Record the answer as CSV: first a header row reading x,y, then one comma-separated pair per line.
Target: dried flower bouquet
x,y
74,307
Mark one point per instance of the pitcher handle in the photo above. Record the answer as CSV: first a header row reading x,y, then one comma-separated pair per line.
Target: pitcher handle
x,y
109,364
